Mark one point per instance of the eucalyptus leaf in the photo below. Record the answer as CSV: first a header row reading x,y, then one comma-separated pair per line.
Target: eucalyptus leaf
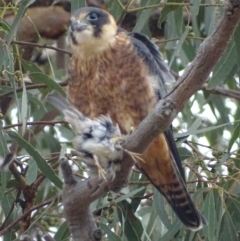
x,y
41,163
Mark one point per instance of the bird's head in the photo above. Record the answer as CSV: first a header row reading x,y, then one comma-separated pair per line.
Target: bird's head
x,y
92,29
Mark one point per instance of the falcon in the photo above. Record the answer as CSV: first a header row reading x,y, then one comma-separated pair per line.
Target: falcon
x,y
121,74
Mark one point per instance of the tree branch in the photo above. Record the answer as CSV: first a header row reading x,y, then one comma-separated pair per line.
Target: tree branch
x,y
42,46
222,91
29,211
77,196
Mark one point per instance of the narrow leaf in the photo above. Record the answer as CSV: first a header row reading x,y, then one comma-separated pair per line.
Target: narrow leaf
x,y
75,4
24,108
32,172
132,226
210,213
38,77
111,235
179,45
158,201
62,233
228,232
128,195
203,130
171,231
5,176
237,45
166,10
195,7
42,164
17,20
224,66
235,136
144,16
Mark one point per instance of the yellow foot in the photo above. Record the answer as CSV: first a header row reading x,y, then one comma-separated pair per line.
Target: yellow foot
x,y
135,156
101,171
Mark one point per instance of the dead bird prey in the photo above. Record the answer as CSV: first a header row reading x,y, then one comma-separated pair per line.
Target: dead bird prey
x,y
98,143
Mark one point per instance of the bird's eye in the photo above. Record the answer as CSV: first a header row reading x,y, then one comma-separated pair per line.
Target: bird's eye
x,y
92,17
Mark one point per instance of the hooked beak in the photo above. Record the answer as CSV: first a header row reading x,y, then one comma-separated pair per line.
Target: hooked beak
x,y
78,25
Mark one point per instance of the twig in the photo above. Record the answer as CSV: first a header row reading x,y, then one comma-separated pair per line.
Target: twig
x,y
42,46
172,4
222,91
197,151
52,123
30,87
29,211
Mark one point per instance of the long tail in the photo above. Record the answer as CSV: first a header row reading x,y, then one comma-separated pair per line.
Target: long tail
x,y
181,202
162,170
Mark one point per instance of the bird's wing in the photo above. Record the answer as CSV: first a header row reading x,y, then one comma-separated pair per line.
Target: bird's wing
x,y
148,51
163,165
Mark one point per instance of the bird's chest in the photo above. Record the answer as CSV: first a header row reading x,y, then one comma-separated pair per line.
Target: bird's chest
x,y
90,86
115,84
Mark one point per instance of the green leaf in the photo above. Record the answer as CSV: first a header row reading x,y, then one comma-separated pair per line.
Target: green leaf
x,y
195,7
184,153
75,4
62,233
237,45
203,130
17,20
110,234
179,45
235,136
171,231
2,53
128,195
137,197
38,77
166,10
224,67
210,213
152,224
24,108
144,16
210,19
158,202
5,176
32,172
132,226
228,231
114,8
41,163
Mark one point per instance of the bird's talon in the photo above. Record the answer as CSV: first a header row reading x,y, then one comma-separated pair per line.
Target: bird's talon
x,y
135,156
101,171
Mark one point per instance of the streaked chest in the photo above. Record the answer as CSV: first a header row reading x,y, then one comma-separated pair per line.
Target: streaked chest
x,y
114,82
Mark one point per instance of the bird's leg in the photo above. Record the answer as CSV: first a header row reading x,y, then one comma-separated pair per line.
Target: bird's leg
x,y
101,171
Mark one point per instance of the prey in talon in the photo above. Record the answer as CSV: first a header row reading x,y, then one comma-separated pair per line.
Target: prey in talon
x,y
97,142
118,142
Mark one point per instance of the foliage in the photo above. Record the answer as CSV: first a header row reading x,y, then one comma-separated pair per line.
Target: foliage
x,y
207,131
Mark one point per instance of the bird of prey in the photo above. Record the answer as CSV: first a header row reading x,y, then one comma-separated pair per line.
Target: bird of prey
x,y
120,74
97,142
